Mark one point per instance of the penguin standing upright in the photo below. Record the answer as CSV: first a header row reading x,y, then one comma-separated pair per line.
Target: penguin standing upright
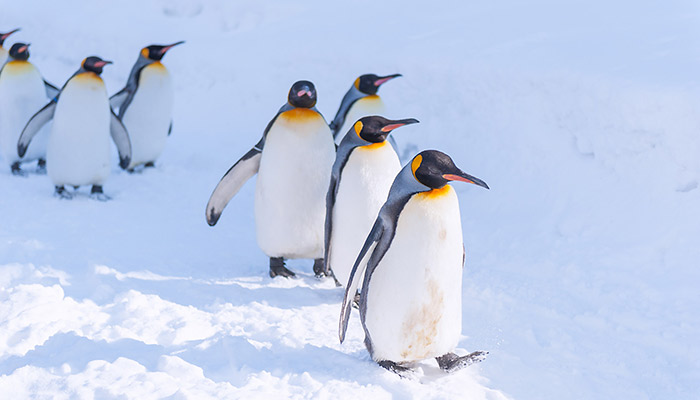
x,y
412,260
146,105
22,92
361,100
78,152
293,161
364,168
3,51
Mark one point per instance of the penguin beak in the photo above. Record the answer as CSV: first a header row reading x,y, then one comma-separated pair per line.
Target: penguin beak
x,y
102,63
465,177
380,81
168,47
398,123
23,48
4,36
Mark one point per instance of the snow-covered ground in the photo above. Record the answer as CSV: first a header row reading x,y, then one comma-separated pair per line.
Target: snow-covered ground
x,y
582,274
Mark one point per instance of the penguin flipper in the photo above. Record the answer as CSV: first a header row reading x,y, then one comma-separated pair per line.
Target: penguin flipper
x,y
121,139
34,125
231,183
118,98
367,255
51,90
170,128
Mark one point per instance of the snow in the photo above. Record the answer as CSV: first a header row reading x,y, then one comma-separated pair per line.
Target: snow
x,y
581,277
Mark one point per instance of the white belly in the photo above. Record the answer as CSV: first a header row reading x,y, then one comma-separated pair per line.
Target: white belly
x,y
364,186
22,94
293,179
370,105
147,119
414,296
79,149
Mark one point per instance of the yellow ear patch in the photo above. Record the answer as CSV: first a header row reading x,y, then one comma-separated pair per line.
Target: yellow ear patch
x,y
415,164
357,83
82,63
358,128
144,52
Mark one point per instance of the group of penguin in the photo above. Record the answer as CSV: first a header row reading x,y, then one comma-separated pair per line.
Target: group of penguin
x,y
75,150
393,231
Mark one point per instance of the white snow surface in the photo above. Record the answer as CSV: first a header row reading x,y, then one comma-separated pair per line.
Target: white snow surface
x,y
582,260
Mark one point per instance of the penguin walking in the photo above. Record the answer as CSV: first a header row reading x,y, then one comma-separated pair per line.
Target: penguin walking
x,y
3,51
146,105
410,305
361,100
293,161
22,91
78,151
364,168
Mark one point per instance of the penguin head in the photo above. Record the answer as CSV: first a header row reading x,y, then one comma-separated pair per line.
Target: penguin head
x,y
20,51
155,52
302,94
4,36
435,169
369,83
375,129
94,64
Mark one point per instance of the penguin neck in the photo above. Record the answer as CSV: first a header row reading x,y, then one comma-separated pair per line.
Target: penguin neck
x,y
373,146
435,193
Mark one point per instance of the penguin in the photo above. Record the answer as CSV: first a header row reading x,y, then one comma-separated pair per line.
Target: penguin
x,y
3,51
22,91
146,105
78,151
293,160
364,168
361,100
412,260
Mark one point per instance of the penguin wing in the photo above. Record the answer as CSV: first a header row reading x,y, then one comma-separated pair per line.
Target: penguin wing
x,y
119,98
34,125
170,128
121,139
51,90
371,252
231,183
341,159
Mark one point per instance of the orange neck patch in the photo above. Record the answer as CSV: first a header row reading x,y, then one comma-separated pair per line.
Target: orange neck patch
x,y
373,146
299,114
435,193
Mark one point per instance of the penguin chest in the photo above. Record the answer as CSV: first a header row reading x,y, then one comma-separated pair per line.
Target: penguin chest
x,y
369,105
79,151
414,295
147,118
22,93
292,182
364,186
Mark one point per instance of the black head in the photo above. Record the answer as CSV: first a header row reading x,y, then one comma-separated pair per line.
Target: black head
x,y
20,51
370,83
94,64
435,169
375,129
4,36
302,94
155,52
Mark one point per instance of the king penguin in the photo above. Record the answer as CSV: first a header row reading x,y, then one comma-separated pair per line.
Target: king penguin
x,y
146,105
293,160
412,261
361,100
365,166
3,51
78,151
22,92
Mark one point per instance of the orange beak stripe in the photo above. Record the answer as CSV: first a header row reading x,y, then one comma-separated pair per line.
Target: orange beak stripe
x,y
451,177
391,127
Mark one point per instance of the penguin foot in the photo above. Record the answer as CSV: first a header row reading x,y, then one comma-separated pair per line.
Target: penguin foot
x,y
97,193
319,271
277,268
16,170
451,362
399,370
61,193
150,164
41,167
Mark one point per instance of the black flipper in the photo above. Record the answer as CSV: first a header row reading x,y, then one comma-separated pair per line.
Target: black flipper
x,y
35,123
118,98
51,90
121,138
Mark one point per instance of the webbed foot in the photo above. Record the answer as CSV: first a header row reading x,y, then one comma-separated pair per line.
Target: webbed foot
x,y
277,268
451,362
